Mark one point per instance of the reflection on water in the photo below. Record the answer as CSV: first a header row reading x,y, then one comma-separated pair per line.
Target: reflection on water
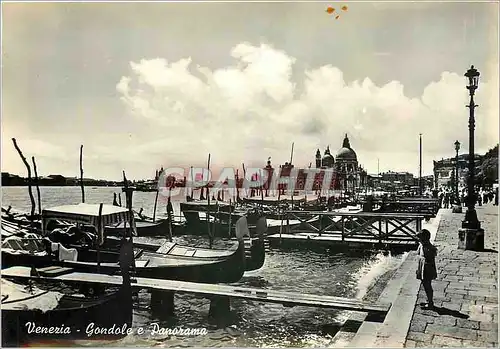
x,y
249,323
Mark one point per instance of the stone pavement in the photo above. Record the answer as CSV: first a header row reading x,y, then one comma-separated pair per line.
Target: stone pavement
x,y
465,292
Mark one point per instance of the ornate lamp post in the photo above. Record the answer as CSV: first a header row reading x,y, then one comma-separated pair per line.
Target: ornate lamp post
x,y
457,148
471,236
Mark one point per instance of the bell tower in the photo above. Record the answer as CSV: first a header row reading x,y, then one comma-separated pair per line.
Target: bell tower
x,y
318,159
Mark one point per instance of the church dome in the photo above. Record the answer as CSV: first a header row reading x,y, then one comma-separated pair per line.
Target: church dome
x,y
328,159
346,152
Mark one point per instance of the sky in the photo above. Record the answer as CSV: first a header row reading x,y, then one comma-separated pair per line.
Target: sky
x,y
144,85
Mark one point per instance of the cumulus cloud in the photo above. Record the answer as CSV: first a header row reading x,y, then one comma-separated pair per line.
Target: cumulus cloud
x,y
254,109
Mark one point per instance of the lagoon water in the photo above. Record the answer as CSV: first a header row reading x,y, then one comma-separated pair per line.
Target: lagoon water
x,y
249,323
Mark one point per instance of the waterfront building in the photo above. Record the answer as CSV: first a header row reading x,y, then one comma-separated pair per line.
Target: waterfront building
x,y
444,170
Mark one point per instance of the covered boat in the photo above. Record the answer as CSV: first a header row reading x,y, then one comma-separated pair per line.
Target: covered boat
x,y
178,263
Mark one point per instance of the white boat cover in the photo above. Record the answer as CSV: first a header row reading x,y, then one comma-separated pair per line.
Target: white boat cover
x,y
89,214
19,297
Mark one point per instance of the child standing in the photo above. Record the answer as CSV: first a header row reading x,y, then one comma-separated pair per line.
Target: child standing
x,y
426,270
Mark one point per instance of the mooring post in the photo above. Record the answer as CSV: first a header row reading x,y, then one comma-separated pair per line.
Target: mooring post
x,y
81,174
162,303
220,306
30,192
343,228
37,187
230,217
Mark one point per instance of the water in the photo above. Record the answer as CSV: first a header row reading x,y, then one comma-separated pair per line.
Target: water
x,y
249,323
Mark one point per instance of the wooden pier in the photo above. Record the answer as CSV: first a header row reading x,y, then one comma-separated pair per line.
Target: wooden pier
x,y
219,294
351,229
426,206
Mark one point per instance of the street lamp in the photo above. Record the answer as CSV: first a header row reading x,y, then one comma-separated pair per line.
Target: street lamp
x,y
457,148
471,236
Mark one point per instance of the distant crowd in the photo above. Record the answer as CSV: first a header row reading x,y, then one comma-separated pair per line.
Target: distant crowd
x,y
447,197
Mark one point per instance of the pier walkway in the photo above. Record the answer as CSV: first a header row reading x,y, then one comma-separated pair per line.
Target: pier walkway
x,y
351,230
288,299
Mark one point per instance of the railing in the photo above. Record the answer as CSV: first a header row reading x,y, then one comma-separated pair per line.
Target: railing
x,y
426,206
361,226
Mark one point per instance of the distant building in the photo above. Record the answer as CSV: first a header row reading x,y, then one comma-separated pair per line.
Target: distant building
x,y
347,174
444,170
399,179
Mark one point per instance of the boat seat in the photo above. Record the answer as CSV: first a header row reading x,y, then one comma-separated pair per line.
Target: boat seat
x,y
141,264
166,247
54,271
190,253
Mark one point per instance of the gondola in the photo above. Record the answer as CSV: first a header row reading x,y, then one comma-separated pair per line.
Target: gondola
x,y
50,315
71,237
178,263
255,250
191,209
173,262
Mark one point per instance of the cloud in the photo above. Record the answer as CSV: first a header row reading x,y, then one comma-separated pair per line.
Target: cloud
x,y
253,109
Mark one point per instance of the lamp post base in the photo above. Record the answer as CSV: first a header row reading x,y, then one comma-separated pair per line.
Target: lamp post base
x,y
471,239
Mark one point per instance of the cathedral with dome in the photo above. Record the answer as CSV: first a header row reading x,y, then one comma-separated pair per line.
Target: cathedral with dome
x,y
348,173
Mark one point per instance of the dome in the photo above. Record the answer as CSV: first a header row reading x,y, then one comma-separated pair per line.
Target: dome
x,y
328,159
346,152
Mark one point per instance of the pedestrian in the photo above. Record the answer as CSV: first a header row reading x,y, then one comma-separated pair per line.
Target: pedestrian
x,y
485,197
440,197
446,199
426,270
496,197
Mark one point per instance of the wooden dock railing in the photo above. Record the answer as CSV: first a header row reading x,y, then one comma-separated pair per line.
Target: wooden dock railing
x,y
359,225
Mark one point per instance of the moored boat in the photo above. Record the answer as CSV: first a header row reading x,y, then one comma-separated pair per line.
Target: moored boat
x,y
178,263
191,210
31,314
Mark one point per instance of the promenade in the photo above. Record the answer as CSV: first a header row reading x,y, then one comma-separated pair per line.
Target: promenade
x,y
465,292
465,295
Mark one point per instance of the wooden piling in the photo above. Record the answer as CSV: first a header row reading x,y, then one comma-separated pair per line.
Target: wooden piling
x,y
81,173
169,214
37,187
156,202
100,229
220,306
32,199
210,237
192,182
162,303
230,218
